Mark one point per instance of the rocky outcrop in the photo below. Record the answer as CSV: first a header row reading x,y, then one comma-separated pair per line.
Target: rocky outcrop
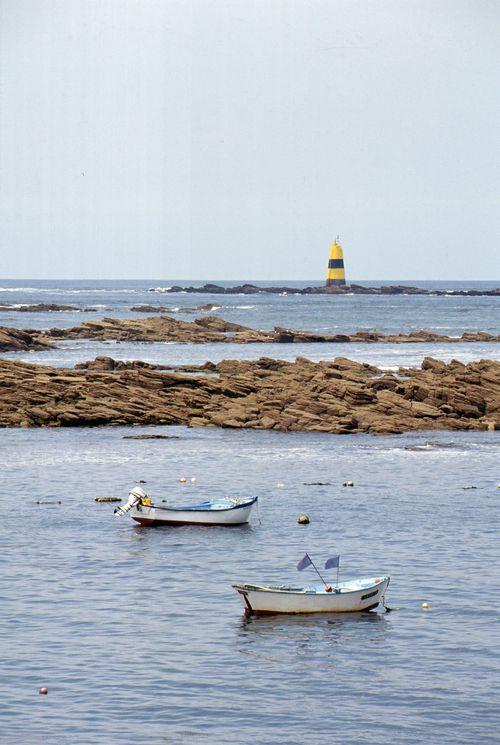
x,y
335,397
43,308
249,289
154,329
210,329
207,307
17,340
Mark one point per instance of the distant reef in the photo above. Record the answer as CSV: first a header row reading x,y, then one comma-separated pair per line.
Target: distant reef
x,y
249,289
42,308
211,329
337,397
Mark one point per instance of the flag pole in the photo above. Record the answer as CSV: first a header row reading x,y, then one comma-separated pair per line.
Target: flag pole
x,y
317,571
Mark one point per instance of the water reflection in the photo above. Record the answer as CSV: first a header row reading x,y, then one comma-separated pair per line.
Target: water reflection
x,y
283,621
316,636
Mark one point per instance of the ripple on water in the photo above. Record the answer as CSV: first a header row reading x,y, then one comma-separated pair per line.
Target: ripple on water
x,y
139,636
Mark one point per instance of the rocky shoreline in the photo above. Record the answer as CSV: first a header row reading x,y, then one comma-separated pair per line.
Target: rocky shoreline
x,y
211,329
250,289
333,397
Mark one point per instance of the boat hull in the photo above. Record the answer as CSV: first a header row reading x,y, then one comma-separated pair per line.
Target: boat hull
x,y
350,599
156,516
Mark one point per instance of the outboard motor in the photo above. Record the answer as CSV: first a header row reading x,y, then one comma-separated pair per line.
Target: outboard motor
x,y
135,497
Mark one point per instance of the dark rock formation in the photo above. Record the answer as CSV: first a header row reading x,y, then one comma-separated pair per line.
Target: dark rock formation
x,y
337,397
17,340
43,308
249,289
207,307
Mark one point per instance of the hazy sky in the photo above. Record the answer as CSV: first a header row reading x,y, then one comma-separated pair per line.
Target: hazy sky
x,y
234,139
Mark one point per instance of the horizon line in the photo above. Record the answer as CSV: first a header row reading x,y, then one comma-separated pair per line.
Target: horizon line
x,y
239,281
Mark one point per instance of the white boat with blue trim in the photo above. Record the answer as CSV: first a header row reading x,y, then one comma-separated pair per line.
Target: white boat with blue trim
x,y
221,511
353,595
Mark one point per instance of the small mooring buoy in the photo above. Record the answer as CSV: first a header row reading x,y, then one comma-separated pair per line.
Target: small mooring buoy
x,y
425,606
280,485
348,483
43,691
182,480
303,520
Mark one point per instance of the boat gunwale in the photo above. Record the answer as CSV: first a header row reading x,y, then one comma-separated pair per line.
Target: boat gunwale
x,y
245,589
249,503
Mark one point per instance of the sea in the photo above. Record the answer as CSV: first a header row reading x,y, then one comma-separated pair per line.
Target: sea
x,y
137,632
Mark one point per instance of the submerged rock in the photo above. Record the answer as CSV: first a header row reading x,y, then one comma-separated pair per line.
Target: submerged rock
x,y
151,437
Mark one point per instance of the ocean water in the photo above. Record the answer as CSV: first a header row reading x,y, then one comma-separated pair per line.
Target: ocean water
x,y
137,632
140,638
328,314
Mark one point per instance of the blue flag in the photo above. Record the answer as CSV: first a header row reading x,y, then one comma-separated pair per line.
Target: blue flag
x,y
304,562
334,561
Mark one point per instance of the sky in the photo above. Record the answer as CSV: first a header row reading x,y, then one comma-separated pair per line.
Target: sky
x,y
235,139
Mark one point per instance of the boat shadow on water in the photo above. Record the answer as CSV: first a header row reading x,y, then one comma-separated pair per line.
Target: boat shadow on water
x,y
315,639
279,621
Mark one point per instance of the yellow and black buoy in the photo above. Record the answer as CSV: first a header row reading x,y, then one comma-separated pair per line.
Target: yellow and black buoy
x,y
336,273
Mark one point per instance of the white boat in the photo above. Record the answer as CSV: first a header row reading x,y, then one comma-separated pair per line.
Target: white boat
x,y
221,511
353,595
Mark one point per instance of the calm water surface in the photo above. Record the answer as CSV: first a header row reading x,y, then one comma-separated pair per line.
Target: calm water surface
x,y
139,636
137,632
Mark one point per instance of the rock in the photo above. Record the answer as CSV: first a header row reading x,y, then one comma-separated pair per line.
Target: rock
x,y
210,329
151,437
249,289
16,340
267,423
261,394
43,308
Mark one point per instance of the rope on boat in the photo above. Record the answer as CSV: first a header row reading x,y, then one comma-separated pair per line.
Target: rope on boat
x,y
258,512
386,607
